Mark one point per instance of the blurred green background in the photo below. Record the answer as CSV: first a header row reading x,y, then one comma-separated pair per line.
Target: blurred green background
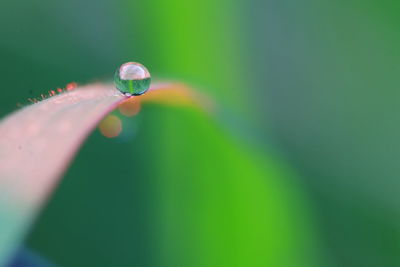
x,y
298,166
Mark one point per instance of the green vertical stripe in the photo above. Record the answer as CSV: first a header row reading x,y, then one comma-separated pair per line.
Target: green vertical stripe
x,y
197,41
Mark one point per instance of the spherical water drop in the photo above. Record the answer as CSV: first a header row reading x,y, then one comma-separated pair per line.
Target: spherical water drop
x,y
132,79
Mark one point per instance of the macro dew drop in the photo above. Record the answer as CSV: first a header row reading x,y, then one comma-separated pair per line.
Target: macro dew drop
x,y
132,78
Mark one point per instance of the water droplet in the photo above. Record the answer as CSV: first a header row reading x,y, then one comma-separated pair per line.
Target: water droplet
x,y
132,79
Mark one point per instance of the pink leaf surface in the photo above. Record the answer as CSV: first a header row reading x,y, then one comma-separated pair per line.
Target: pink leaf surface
x,y
36,145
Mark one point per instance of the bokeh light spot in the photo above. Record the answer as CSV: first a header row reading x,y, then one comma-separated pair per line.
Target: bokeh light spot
x,y
111,126
130,107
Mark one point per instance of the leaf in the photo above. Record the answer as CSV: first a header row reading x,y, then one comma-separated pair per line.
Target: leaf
x,y
192,195
36,145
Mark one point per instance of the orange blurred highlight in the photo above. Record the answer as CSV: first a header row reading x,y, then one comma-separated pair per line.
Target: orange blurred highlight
x,y
178,94
111,126
130,107
174,94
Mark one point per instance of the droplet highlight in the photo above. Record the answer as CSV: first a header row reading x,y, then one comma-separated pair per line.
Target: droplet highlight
x,y
132,78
